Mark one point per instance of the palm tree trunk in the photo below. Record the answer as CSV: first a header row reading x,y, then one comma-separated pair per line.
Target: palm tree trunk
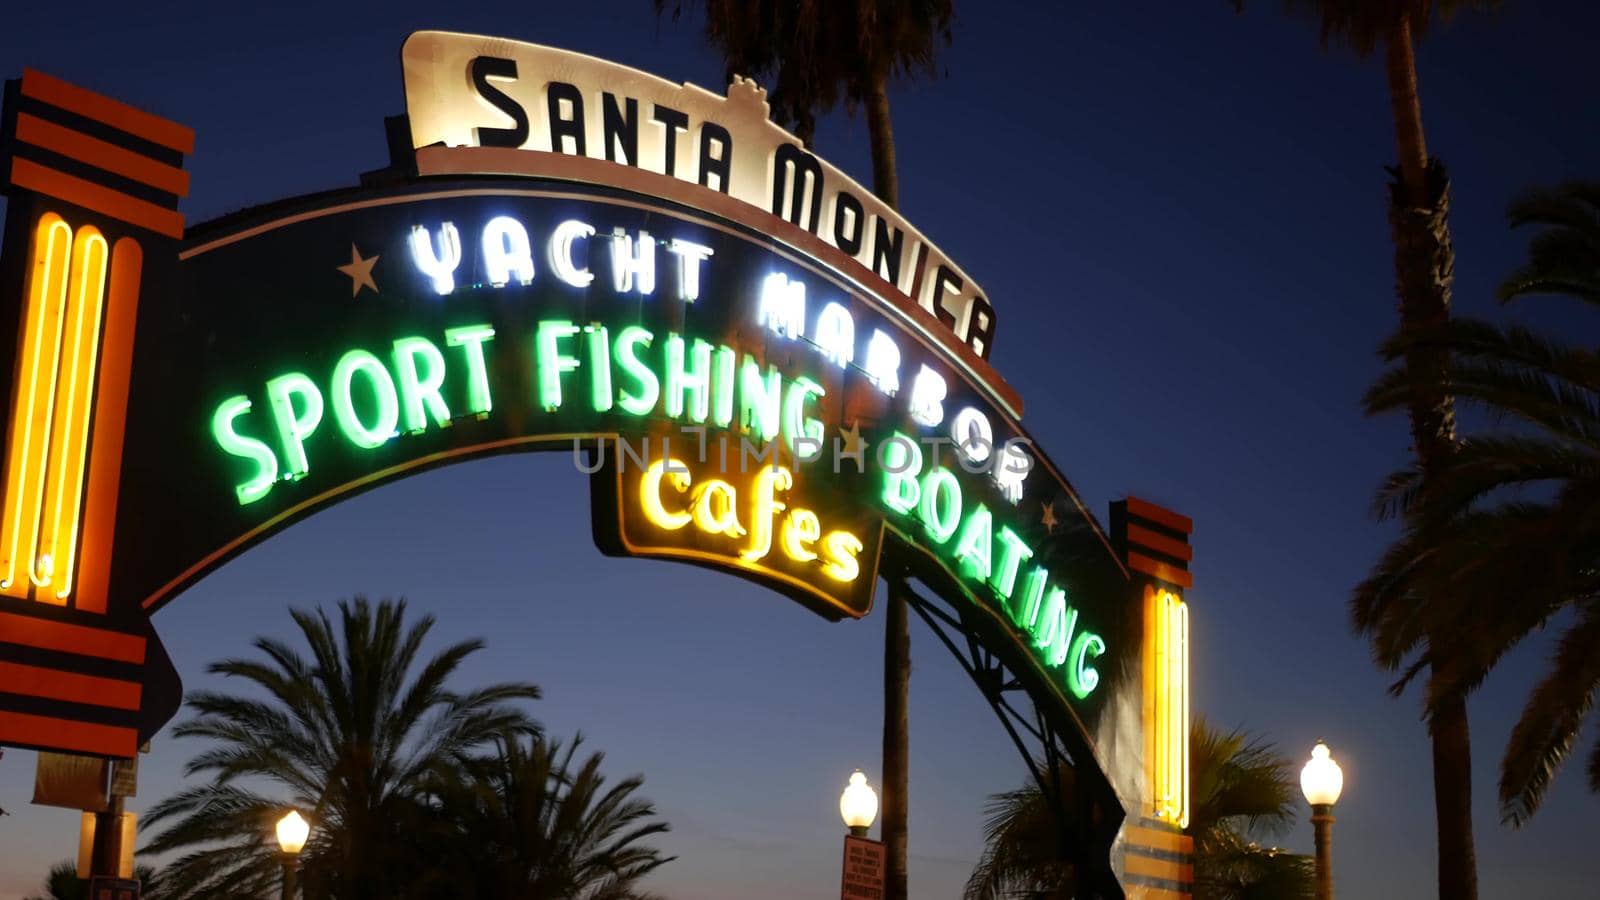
x,y
1452,798
1424,269
1407,112
897,625
885,177
896,737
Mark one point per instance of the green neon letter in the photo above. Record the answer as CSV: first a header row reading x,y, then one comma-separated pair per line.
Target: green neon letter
x,y
900,459
795,423
344,408
471,339
939,518
724,366
1013,552
246,447
642,399
599,343
760,399
1053,630
419,386
1025,612
294,426
691,377
551,360
1082,679
973,549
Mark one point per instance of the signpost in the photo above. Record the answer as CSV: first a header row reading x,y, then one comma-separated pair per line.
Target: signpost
x,y
863,869
760,368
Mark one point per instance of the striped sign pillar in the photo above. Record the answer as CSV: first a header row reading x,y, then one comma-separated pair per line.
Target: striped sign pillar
x,y
1157,856
93,187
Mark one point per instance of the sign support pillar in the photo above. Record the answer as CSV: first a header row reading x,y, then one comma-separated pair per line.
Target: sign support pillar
x,y
896,735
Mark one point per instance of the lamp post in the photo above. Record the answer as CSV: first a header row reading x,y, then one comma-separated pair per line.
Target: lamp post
x,y
858,804
1322,781
863,857
293,830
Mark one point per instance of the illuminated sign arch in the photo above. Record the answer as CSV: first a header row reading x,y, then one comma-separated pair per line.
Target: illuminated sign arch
x,y
748,385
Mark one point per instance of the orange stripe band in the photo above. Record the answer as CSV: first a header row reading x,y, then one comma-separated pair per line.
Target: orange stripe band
x,y
1159,543
98,153
1150,867
53,684
45,180
1159,570
1159,515
67,735
49,635
110,418
103,109
1142,892
1157,839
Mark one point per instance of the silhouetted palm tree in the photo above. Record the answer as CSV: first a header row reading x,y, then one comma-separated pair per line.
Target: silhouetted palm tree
x,y
1506,528
63,882
1240,787
1424,261
528,824
816,54
351,735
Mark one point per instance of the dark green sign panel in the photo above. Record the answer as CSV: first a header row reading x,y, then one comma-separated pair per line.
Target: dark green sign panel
x,y
738,405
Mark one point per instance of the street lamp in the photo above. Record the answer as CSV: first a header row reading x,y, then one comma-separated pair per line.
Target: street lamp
x,y
1321,780
858,804
293,830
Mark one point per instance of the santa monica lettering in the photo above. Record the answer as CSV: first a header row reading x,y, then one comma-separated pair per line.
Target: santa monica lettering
x,y
528,97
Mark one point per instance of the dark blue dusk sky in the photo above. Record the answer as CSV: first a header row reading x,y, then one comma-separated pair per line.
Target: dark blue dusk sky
x,y
1180,220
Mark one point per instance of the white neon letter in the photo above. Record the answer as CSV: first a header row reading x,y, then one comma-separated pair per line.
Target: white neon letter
x,y
690,256
440,266
973,435
783,306
1011,468
883,362
633,268
927,397
836,334
561,253
506,251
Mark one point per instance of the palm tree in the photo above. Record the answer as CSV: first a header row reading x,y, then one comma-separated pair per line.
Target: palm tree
x,y
1241,787
1506,527
1424,260
814,54
63,882
351,735
527,823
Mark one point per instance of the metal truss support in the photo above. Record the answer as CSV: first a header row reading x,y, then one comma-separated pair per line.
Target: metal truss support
x,y
1047,756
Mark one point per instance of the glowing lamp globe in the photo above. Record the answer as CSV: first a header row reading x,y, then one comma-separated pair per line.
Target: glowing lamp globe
x,y
292,833
1321,779
858,804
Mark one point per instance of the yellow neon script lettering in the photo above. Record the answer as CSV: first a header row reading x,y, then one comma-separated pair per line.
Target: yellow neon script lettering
x,y
764,509
650,493
713,507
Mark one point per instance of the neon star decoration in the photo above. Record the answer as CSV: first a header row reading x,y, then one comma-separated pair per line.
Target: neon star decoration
x,y
360,271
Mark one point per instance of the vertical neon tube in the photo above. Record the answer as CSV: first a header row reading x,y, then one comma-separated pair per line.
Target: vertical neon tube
x,y
35,399
54,562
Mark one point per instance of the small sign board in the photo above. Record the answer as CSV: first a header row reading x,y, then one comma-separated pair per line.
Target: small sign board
x,y
863,869
102,888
